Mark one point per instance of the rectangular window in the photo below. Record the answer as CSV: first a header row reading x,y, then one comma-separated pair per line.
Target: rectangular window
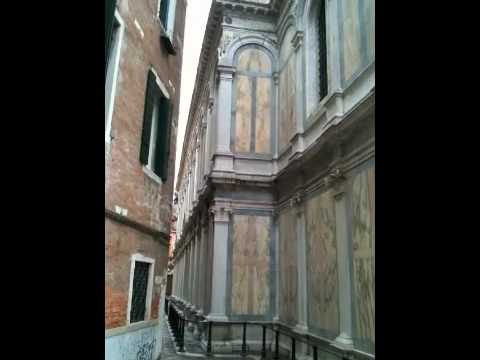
x,y
138,307
112,71
155,144
322,42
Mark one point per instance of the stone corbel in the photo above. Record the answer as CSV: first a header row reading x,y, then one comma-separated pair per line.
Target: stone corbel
x,y
297,201
334,177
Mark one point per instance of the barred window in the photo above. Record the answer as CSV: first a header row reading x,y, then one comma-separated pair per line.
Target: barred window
x,y
139,292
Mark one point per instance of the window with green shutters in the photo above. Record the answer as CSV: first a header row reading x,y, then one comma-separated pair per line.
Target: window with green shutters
x,y
163,13
155,143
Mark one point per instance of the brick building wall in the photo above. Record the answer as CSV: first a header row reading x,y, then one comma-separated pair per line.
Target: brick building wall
x,y
138,206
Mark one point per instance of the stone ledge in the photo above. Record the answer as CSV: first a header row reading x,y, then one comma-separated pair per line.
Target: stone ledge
x,y
131,328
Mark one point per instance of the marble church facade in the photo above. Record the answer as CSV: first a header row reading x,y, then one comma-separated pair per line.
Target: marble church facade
x,y
276,186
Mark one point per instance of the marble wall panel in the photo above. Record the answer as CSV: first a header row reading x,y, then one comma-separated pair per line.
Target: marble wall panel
x,y
243,114
358,25
288,267
351,38
323,308
363,242
368,16
263,118
250,265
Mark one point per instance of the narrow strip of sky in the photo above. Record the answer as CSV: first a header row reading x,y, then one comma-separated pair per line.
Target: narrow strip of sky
x,y
195,22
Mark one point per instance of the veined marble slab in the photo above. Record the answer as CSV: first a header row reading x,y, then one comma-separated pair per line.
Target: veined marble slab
x,y
363,238
322,264
250,265
288,267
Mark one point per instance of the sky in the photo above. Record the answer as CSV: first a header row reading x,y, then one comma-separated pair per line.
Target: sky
x,y
195,22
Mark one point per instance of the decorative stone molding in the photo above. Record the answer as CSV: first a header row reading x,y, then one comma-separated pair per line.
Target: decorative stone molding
x,y
258,8
226,72
211,102
298,39
228,37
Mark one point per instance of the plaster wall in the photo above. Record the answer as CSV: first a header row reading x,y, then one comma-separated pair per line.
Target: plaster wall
x,y
144,343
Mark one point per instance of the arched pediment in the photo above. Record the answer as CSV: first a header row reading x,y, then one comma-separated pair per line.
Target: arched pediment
x,y
249,39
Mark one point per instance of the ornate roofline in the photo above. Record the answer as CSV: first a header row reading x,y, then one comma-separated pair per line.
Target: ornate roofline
x,y
273,8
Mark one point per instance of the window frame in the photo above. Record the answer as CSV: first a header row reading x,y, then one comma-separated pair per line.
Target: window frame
x,y
273,89
148,168
149,297
114,60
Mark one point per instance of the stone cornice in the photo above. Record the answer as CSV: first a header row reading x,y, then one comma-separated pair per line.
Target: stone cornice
x,y
253,8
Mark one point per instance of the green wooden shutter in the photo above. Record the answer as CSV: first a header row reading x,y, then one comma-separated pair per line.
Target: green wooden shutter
x,y
151,96
109,19
322,42
164,5
163,139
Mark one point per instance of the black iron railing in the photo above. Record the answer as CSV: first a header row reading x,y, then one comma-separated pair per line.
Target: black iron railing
x,y
177,319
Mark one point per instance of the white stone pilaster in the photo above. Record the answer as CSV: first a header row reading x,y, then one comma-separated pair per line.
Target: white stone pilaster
x,y
226,74
344,272
220,256
302,296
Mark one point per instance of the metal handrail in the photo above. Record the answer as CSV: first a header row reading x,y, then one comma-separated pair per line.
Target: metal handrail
x,y
317,343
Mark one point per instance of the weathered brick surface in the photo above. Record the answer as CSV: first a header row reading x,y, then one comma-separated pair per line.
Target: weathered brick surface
x,y
127,185
121,242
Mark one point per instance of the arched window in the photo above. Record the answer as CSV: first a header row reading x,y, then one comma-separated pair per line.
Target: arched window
x,y
252,106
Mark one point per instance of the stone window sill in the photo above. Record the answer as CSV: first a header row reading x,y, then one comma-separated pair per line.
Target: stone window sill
x,y
152,175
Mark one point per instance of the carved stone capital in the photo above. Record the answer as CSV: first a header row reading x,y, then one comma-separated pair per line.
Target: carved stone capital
x,y
220,213
226,73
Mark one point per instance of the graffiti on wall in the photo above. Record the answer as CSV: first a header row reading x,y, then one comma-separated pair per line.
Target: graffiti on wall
x,y
145,351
